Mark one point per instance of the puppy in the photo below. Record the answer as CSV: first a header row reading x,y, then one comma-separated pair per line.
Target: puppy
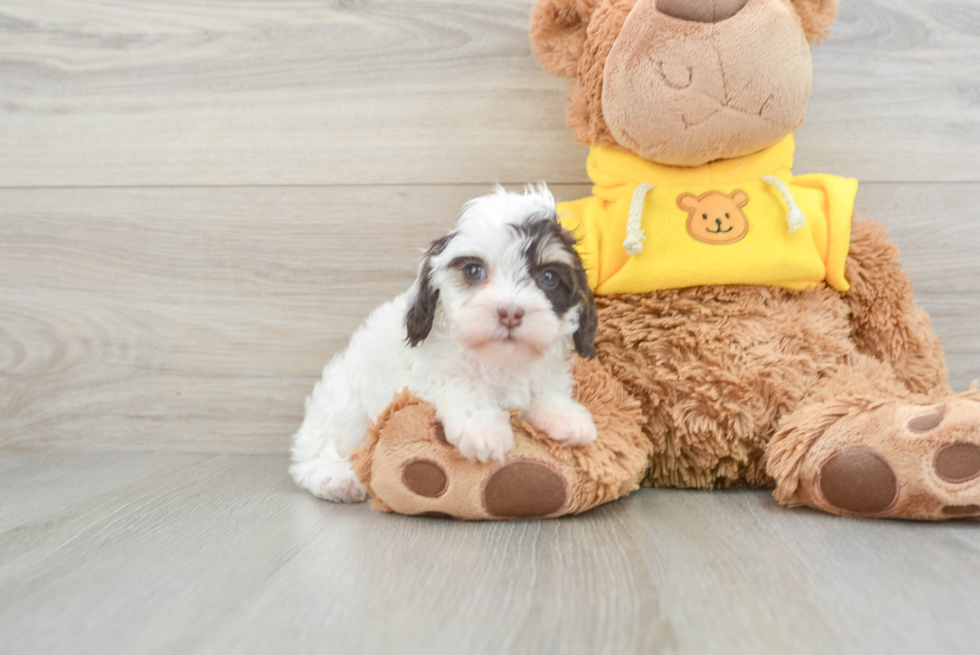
x,y
488,327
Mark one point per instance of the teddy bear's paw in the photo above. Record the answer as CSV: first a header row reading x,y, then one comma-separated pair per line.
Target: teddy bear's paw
x,y
415,470
329,479
901,461
410,466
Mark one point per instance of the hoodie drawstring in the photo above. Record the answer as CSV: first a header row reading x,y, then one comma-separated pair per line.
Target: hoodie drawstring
x,y
795,218
635,236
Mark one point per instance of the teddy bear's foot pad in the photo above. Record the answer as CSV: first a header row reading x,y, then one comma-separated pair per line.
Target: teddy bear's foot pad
x,y
900,461
425,478
858,480
524,489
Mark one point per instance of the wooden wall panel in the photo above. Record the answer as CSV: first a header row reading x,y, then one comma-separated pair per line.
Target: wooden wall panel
x,y
220,92
197,319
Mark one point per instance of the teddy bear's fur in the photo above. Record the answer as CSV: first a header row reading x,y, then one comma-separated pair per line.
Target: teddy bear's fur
x,y
837,400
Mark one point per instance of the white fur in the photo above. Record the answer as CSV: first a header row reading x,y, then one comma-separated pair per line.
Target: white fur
x,y
471,367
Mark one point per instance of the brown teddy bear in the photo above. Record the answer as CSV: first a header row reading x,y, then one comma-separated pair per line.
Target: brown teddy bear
x,y
750,331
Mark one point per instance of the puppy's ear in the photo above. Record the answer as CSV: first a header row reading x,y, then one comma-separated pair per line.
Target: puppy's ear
x,y
588,315
817,17
422,310
588,318
558,34
588,323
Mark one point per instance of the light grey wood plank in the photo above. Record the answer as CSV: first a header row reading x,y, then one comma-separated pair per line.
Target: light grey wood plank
x,y
45,501
938,233
217,92
223,555
141,568
895,94
147,318
198,319
399,91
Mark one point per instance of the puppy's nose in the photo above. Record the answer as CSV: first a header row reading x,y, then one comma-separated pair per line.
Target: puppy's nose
x,y
701,11
510,317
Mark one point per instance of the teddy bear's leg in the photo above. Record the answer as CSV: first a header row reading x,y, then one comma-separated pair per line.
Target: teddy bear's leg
x,y
868,448
885,321
408,466
412,469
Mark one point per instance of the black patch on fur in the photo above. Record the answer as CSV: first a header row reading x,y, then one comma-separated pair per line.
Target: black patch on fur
x,y
422,313
573,286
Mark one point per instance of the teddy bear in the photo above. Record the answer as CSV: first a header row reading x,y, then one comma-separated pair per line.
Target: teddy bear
x,y
752,330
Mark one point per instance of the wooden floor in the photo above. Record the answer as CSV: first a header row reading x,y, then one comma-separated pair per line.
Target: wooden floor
x,y
188,553
200,200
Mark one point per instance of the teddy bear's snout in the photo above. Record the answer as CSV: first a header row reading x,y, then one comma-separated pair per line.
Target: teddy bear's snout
x,y
701,11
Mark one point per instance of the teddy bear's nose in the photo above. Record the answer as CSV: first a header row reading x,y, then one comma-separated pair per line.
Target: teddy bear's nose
x,y
701,11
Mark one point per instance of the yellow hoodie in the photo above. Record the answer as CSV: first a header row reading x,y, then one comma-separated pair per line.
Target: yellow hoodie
x,y
735,221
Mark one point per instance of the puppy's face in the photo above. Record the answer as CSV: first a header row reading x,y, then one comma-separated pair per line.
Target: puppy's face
x,y
506,284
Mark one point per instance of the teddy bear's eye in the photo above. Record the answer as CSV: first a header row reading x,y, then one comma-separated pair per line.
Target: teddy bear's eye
x,y
727,216
704,216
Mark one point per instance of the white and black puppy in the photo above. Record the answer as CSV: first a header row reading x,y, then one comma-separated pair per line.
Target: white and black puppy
x,y
489,326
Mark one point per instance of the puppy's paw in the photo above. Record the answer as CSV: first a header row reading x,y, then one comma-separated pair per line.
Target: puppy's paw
x,y
568,424
332,480
481,437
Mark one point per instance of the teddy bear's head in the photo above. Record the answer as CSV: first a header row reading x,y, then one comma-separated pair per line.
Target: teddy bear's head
x,y
682,82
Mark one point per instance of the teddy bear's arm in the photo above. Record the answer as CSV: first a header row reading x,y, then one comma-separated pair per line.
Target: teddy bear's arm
x,y
885,321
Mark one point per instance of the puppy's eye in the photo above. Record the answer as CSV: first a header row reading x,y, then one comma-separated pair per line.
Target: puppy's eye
x,y
548,279
474,273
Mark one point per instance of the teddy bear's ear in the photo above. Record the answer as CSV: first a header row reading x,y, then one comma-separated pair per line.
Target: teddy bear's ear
x,y
817,17
558,34
687,201
740,198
